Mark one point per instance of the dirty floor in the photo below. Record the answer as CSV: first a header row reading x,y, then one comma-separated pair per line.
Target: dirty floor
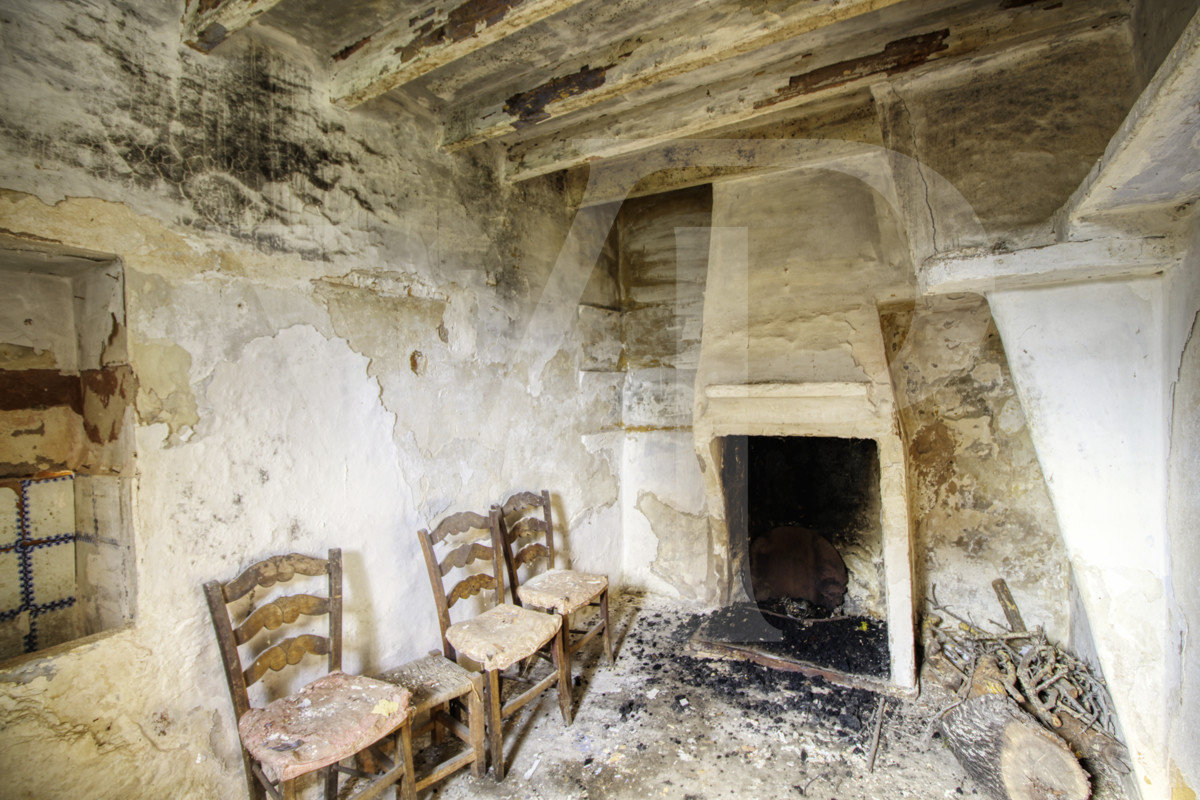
x,y
660,724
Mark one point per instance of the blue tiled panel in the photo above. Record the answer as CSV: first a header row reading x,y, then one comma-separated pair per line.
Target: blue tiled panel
x,y
37,564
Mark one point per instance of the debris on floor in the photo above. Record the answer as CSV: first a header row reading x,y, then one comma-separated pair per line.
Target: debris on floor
x,y
660,723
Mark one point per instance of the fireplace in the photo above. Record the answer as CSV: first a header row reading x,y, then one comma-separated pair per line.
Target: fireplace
x,y
829,462
803,514
805,534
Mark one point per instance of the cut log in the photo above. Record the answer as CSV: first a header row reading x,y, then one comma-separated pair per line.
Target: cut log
x,y
1008,753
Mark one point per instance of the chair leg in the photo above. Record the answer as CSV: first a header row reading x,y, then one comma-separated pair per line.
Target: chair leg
x,y
406,787
257,792
439,730
604,618
566,637
331,783
476,726
289,790
495,735
564,676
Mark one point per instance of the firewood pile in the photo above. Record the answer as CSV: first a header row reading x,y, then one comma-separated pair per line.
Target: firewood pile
x,y
1012,688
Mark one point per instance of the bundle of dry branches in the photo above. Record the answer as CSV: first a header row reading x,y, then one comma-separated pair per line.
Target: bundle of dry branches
x,y
1057,688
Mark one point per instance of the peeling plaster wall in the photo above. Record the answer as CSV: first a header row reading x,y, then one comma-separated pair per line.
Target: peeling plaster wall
x,y
663,245
979,502
333,331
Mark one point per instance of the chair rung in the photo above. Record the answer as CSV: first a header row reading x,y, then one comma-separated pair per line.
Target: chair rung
x,y
456,727
522,699
447,767
592,634
358,773
378,784
266,784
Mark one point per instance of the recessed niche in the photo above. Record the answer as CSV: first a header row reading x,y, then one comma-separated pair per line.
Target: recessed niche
x,y
66,405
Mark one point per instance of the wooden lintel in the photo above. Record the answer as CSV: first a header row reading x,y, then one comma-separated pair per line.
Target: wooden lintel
x,y
741,101
410,47
207,23
652,58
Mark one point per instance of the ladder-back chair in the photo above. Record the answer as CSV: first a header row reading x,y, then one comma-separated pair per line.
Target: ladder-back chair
x,y
500,636
525,522
329,720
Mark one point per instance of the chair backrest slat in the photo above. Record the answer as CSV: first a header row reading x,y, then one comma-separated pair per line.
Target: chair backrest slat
x,y
524,515
461,522
274,614
464,555
286,653
274,570
521,501
281,611
469,587
525,529
448,592
530,555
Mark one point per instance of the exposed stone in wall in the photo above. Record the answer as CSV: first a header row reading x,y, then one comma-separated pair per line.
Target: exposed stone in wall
x,y
979,502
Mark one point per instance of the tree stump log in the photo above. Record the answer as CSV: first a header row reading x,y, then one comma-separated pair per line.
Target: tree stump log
x,y
1006,750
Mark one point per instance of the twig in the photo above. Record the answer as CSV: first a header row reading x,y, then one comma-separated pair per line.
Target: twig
x,y
875,736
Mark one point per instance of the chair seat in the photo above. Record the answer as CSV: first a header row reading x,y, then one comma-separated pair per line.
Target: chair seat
x,y
502,635
328,720
562,590
433,680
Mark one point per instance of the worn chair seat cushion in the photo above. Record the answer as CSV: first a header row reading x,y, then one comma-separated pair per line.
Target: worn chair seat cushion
x,y
502,635
331,718
433,680
562,590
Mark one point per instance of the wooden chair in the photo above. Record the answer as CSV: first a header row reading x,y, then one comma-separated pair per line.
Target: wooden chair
x,y
442,693
500,636
329,720
526,516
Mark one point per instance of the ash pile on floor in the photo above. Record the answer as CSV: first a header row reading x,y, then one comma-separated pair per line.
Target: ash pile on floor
x,y
759,691
851,645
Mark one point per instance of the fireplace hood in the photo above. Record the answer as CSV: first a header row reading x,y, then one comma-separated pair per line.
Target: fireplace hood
x,y
771,365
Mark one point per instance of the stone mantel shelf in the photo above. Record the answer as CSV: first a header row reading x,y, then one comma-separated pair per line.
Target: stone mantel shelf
x,y
808,389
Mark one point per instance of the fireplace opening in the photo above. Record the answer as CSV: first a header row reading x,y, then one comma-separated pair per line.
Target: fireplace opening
x,y
806,549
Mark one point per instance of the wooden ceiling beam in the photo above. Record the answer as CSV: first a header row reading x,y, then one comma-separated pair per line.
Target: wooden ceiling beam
x,y
438,34
698,111
207,23
645,59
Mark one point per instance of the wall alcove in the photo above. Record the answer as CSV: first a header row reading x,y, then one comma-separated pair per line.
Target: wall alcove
x,y
66,405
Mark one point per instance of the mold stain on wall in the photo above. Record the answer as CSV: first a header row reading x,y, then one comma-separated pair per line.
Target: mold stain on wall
x,y
978,499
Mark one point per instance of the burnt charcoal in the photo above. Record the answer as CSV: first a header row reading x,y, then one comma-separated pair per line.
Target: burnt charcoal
x,y
630,708
854,645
